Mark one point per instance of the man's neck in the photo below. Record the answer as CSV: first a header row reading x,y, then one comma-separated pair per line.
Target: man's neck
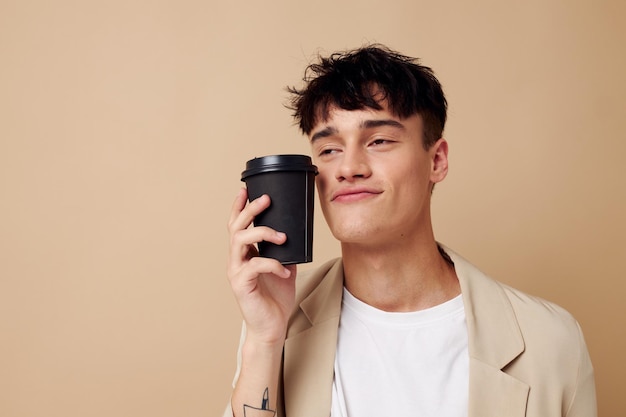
x,y
401,277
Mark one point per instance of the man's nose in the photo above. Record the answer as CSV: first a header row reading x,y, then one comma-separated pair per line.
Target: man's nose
x,y
354,164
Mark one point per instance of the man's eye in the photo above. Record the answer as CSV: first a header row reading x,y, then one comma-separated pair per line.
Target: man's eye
x,y
327,151
379,141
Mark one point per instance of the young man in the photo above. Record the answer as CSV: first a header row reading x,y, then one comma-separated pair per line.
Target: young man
x,y
400,325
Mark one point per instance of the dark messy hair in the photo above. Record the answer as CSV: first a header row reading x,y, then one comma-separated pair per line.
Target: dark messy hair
x,y
363,78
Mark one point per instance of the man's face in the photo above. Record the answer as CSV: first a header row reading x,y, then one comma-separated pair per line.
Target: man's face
x,y
375,177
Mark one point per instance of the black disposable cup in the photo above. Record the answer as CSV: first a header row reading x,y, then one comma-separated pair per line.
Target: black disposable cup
x,y
289,180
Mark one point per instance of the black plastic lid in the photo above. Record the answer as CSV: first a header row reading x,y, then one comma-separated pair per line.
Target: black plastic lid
x,y
272,163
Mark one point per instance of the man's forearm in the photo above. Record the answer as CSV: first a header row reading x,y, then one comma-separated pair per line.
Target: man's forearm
x,y
257,385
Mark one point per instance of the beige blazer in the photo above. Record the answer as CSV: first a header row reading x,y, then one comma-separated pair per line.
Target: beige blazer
x,y
527,356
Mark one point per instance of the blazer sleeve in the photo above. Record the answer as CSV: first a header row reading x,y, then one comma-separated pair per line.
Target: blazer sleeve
x,y
583,403
228,412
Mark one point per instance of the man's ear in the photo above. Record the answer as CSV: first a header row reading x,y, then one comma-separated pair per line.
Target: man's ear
x,y
439,161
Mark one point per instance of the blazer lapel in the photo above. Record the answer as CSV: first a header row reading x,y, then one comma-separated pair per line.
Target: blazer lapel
x,y
495,340
493,393
310,347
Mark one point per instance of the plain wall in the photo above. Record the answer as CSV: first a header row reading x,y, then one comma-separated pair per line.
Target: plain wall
x,y
125,125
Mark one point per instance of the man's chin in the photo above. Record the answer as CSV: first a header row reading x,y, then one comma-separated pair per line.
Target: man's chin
x,y
354,233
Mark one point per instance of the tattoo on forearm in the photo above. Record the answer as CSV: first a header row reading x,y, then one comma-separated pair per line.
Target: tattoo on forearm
x,y
264,411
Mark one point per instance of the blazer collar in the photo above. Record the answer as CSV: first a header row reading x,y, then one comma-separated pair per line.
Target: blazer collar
x,y
324,301
495,340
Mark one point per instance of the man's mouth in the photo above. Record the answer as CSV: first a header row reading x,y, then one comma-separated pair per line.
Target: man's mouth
x,y
347,195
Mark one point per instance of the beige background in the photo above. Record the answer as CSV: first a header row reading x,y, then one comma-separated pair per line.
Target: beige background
x,y
124,126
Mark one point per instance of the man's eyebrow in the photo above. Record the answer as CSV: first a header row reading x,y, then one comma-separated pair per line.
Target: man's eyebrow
x,y
324,133
367,124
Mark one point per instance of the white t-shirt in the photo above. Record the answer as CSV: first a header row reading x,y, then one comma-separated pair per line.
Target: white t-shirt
x,y
401,364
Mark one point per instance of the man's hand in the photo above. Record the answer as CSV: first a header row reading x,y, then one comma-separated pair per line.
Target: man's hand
x,y
264,289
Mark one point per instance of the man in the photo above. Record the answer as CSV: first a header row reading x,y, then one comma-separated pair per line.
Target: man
x,y
400,325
